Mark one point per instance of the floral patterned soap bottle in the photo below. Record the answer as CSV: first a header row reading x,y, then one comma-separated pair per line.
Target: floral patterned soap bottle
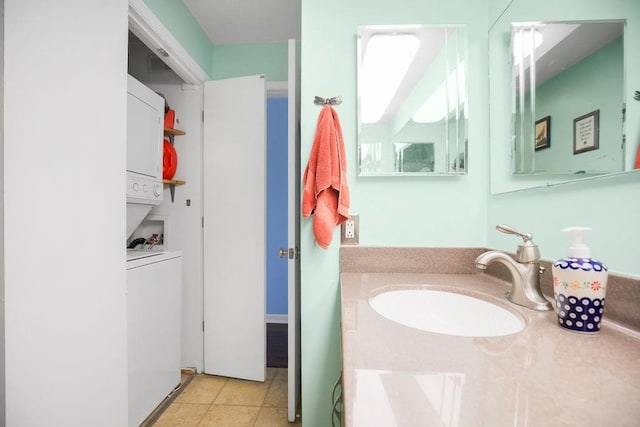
x,y
579,286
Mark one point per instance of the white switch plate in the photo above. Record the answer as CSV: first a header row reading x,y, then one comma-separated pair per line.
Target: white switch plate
x,y
349,230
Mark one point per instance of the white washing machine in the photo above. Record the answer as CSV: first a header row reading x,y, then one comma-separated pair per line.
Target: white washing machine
x,y
154,295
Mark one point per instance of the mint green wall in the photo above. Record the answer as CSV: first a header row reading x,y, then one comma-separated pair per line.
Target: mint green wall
x,y
238,60
496,7
609,205
220,61
179,21
594,83
435,211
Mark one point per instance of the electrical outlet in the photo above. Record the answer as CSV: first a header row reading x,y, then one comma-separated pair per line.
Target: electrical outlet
x,y
349,230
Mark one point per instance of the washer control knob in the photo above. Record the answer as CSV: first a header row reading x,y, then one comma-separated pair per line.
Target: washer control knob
x,y
136,186
145,188
156,191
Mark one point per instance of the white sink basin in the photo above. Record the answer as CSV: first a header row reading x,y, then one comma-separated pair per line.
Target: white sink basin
x,y
446,312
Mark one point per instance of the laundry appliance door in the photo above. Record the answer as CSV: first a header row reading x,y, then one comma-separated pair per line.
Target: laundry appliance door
x,y
154,295
145,112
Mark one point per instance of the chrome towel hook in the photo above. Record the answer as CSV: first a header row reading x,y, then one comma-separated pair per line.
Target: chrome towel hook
x,y
336,100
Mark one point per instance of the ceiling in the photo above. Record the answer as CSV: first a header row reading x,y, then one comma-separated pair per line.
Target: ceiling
x,y
566,43
566,49
247,21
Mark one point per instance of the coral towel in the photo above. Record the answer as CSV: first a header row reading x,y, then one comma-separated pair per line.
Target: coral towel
x,y
326,193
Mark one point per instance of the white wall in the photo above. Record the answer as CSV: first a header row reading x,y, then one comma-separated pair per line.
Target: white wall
x,y
2,335
64,153
184,222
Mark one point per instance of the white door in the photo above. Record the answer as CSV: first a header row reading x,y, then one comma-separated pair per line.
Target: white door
x,y
293,201
234,167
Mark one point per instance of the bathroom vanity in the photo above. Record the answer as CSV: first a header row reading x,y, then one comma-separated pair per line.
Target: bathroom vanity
x,y
395,375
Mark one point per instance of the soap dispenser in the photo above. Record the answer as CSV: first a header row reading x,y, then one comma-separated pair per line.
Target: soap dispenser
x,y
579,286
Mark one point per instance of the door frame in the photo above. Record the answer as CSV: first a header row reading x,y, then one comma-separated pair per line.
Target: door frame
x,y
150,30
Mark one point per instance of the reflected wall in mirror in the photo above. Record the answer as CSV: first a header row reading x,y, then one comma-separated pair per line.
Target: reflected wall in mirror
x,y
412,100
560,72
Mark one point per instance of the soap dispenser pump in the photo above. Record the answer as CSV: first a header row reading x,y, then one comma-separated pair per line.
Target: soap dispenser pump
x,y
579,286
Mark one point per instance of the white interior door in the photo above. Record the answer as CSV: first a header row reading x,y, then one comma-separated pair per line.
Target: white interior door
x,y
293,209
234,168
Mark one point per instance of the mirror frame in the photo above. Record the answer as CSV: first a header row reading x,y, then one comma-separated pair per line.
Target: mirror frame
x,y
502,180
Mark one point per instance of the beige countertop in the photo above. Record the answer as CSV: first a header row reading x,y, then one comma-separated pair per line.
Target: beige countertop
x,y
394,375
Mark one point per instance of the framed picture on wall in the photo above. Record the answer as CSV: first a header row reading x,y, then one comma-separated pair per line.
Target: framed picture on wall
x,y
543,133
585,132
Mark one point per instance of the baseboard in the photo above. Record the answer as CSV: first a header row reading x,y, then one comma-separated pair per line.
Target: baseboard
x,y
277,318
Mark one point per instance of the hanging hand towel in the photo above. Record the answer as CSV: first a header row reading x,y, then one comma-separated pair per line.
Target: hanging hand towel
x,y
326,193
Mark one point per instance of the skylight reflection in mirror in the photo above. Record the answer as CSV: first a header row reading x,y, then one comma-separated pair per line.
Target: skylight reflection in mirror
x,y
412,100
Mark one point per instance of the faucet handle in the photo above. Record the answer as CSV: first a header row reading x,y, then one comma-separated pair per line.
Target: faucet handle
x,y
509,230
528,251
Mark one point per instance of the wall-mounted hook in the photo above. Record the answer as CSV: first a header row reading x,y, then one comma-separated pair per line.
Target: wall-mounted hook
x,y
336,100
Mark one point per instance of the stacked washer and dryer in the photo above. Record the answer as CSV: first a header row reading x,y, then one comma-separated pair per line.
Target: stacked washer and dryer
x,y
154,278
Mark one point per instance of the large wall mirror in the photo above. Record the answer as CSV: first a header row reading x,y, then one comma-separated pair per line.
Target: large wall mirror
x,y
567,97
412,100
562,79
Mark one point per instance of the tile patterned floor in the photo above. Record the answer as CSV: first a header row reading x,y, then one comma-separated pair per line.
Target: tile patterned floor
x,y
218,401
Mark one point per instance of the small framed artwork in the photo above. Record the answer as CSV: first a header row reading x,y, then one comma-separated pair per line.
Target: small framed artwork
x,y
585,132
543,133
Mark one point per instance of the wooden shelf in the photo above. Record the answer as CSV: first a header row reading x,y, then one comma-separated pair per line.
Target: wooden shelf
x,y
175,132
172,186
173,182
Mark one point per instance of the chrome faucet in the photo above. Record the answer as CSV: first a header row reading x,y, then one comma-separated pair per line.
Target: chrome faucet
x,y
525,271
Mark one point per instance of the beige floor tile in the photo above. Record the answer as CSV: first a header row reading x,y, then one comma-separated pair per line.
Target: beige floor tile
x,y
277,395
271,372
181,414
202,389
230,416
241,392
282,374
275,417
236,403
